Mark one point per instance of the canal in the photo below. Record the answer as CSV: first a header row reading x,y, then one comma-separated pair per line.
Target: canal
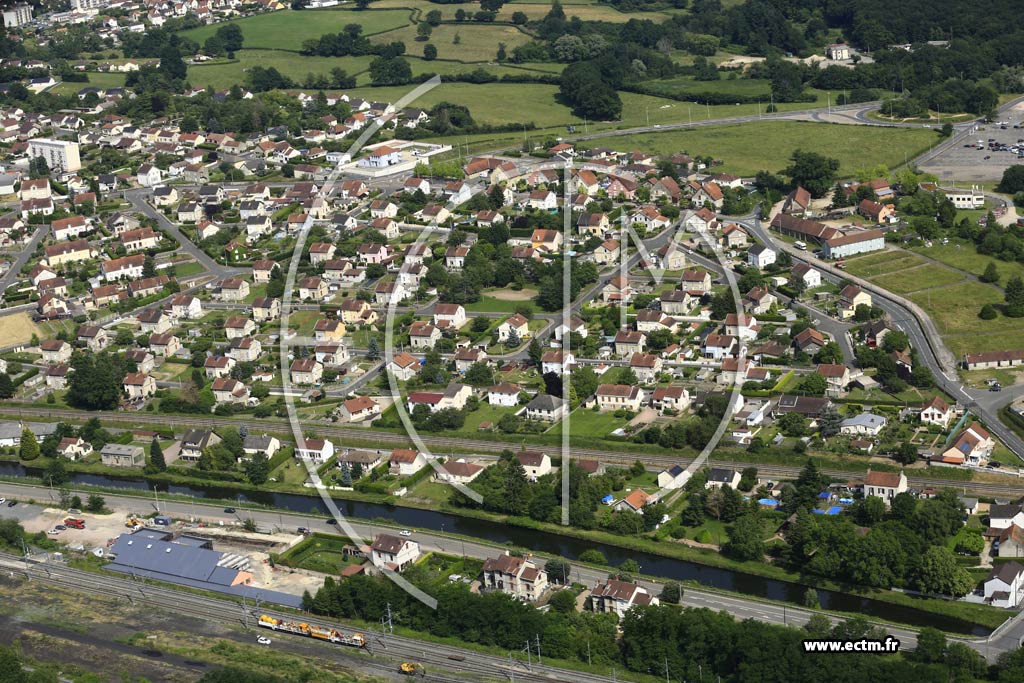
x,y
539,542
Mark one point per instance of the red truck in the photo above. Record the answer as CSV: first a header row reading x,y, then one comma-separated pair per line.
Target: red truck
x,y
73,523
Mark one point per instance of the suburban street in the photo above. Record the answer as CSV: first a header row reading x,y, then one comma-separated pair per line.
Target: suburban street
x,y
23,255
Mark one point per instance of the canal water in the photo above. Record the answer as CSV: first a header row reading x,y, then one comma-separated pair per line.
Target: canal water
x,y
539,542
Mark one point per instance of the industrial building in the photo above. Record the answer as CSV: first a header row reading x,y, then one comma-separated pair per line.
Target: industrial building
x,y
188,561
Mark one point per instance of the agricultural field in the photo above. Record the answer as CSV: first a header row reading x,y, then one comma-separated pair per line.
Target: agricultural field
x,y
18,328
744,150
477,42
287,29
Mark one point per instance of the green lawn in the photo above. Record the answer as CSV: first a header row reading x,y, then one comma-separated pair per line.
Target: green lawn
x,y
188,269
917,278
585,422
535,10
485,413
96,80
766,145
495,305
287,29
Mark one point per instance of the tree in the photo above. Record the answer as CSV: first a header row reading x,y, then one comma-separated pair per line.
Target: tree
x,y
906,454
988,312
423,31
390,71
29,449
813,384
257,469
6,386
434,17
95,504
811,599
931,646
558,570
938,572
156,456
534,351
373,349
829,422
814,172
1013,180
746,539
1015,297
95,383
56,473
671,593
429,51
991,273
593,556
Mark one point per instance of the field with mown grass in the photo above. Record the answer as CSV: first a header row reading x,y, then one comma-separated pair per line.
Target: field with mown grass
x,y
287,29
767,145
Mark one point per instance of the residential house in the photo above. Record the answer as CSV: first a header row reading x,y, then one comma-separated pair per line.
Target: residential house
x,y
457,472
517,325
306,371
536,463
1005,585
546,408
937,412
139,386
617,597
359,409
885,485
719,477
519,577
611,397
504,394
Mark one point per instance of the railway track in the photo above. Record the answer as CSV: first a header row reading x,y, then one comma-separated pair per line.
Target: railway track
x,y
443,663
485,447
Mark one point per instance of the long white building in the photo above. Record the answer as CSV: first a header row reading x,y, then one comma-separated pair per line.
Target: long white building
x,y
16,16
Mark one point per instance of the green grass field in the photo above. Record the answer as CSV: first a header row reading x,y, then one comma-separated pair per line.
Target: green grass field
x,y
488,102
738,86
914,279
287,29
586,11
224,74
955,312
873,265
750,147
477,42
963,256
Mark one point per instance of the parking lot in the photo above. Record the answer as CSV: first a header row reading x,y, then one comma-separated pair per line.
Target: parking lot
x,y
964,162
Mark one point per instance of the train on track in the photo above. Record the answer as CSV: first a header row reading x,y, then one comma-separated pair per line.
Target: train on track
x,y
312,631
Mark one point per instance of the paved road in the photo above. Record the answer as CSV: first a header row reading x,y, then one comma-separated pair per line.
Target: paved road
x,y
984,404
22,258
137,198
741,607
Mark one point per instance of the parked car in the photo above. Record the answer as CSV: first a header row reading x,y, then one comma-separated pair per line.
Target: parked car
x,y
263,640
405,532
